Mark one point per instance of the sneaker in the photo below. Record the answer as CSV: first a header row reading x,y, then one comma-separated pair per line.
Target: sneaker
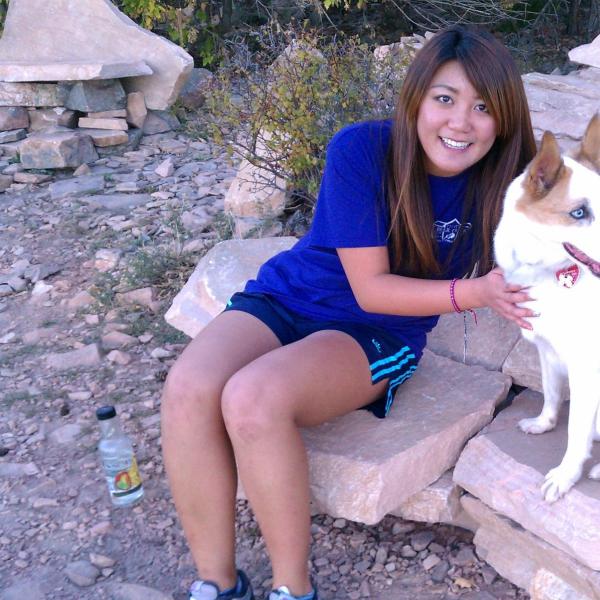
x,y
207,590
283,593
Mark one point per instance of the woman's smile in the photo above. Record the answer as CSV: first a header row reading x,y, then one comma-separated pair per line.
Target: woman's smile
x,y
454,144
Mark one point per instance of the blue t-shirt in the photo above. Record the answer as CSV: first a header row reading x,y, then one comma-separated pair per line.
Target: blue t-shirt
x,y
351,212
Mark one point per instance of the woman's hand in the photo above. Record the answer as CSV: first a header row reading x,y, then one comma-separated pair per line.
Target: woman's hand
x,y
504,298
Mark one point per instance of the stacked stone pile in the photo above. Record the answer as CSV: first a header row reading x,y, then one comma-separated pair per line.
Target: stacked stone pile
x,y
91,87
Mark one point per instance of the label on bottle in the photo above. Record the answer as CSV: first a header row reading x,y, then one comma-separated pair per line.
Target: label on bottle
x,y
125,481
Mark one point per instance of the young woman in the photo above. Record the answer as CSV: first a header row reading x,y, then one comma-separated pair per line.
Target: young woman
x,y
406,209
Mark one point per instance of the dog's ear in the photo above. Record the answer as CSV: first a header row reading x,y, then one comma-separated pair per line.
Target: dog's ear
x,y
546,168
589,152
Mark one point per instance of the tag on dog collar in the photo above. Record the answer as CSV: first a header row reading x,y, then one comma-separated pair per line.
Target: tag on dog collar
x,y
568,276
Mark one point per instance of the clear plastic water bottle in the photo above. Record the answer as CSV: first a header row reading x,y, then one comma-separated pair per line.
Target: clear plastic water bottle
x,y
118,459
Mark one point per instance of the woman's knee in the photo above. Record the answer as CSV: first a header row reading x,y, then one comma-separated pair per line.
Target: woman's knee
x,y
189,391
252,404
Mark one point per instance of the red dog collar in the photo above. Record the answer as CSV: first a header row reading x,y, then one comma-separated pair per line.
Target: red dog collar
x,y
568,276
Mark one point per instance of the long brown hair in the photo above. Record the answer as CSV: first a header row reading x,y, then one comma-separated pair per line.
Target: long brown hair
x,y
493,73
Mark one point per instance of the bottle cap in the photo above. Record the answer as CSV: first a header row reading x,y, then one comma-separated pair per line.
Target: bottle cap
x,y
105,412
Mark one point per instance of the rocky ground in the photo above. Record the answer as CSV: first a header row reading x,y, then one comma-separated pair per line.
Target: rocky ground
x,y
89,266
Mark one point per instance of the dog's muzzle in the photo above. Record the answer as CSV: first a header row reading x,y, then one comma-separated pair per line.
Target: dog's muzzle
x,y
583,258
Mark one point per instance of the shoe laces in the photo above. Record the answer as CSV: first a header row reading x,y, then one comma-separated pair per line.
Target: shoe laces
x,y
203,590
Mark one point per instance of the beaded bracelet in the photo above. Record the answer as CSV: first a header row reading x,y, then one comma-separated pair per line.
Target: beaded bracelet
x,y
464,314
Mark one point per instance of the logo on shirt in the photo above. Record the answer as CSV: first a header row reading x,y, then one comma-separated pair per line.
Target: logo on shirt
x,y
447,232
376,344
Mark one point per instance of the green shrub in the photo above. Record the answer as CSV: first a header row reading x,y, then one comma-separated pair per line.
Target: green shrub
x,y
279,114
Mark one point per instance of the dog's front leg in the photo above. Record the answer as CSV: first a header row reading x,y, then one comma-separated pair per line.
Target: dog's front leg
x,y
595,470
581,430
553,382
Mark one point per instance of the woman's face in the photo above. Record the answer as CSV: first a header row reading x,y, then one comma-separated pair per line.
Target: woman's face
x,y
453,125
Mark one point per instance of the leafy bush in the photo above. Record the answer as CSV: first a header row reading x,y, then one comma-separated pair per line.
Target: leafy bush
x,y
279,113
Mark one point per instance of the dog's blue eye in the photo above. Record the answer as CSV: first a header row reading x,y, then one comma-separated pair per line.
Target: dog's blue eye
x,y
579,213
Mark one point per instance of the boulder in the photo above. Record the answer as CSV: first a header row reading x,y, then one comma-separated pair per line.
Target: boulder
x,y
134,137
94,96
523,365
587,54
45,118
362,468
562,104
95,31
519,555
29,177
255,192
13,117
505,468
222,271
136,109
547,586
69,70
159,122
5,182
33,94
105,137
106,124
120,113
87,356
12,136
255,195
437,503
57,150
489,342
590,74
194,91
11,150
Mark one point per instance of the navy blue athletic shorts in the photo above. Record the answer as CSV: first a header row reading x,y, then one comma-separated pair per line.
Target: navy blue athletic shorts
x,y
389,358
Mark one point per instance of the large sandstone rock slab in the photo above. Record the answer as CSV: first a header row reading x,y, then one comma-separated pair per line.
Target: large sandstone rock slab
x,y
523,365
70,71
57,150
33,94
488,343
505,468
519,555
94,31
547,586
587,54
562,104
222,271
437,503
362,468
590,74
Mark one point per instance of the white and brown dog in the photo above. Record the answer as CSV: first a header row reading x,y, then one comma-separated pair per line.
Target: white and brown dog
x,y
549,239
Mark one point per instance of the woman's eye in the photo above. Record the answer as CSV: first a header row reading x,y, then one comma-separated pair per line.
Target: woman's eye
x,y
579,213
481,108
444,99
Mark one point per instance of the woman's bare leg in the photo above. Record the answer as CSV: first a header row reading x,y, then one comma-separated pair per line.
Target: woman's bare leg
x,y
303,384
197,451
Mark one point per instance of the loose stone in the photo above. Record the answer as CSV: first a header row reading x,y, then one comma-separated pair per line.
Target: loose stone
x,y
82,573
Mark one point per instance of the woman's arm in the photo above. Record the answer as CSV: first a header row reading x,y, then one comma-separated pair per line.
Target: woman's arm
x,y
378,291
